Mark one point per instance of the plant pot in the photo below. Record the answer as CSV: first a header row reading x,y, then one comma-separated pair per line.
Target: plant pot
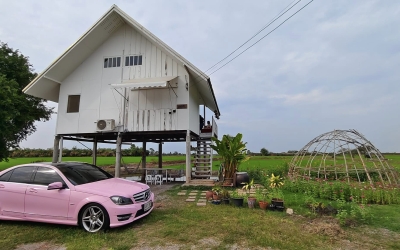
x,y
209,195
215,197
216,202
271,207
251,201
242,177
225,201
263,204
278,204
238,202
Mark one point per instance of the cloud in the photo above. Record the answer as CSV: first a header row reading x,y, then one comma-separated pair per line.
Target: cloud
x,y
332,66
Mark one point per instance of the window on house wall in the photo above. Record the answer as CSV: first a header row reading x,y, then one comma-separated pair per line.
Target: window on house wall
x,y
73,103
112,62
133,60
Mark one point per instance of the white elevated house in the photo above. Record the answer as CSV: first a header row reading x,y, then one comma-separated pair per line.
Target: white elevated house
x,y
119,83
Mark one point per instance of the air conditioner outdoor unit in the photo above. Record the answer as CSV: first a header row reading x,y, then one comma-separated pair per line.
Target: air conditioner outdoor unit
x,y
105,125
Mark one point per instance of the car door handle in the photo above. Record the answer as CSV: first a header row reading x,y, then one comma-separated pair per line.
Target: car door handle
x,y
33,190
2,186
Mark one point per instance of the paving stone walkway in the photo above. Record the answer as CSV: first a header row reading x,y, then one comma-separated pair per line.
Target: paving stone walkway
x,y
194,196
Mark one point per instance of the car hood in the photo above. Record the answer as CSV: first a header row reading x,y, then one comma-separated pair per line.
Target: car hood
x,y
113,186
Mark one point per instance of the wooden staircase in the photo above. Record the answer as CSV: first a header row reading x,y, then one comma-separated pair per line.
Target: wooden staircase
x,y
202,162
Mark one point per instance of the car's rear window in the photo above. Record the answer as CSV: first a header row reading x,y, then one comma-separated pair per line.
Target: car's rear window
x,y
79,174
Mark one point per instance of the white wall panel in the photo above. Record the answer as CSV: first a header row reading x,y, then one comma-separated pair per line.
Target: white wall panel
x,y
153,62
157,123
134,100
148,110
147,59
67,123
87,119
90,96
194,120
174,68
169,66
150,99
163,64
158,64
110,114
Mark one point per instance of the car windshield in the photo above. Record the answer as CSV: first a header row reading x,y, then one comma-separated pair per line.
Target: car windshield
x,y
79,174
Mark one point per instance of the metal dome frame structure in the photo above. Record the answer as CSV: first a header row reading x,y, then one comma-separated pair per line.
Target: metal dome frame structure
x,y
344,155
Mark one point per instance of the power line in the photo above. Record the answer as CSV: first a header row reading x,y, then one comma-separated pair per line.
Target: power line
x,y
261,38
258,32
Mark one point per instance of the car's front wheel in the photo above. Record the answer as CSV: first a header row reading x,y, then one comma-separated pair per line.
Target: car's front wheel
x,y
94,217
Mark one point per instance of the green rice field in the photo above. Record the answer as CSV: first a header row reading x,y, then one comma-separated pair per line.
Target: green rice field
x,y
178,161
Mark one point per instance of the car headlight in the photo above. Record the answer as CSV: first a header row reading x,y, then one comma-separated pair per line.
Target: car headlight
x,y
120,200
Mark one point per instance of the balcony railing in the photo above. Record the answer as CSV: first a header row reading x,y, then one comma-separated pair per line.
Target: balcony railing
x,y
214,128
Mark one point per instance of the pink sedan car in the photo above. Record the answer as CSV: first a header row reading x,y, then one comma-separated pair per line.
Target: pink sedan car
x,y
71,193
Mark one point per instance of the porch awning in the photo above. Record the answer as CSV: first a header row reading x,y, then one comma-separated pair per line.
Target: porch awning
x,y
148,83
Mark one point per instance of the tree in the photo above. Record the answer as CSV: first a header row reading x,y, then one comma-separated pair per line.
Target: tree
x,y
18,112
151,151
264,152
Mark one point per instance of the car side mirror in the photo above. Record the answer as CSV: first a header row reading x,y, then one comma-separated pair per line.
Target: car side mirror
x,y
55,185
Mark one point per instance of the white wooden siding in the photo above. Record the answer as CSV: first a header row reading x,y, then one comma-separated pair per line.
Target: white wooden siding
x,y
148,110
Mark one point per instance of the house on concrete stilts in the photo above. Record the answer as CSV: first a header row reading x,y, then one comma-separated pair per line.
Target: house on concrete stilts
x,y
119,83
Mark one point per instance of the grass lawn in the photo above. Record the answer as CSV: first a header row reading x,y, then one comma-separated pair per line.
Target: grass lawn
x,y
181,225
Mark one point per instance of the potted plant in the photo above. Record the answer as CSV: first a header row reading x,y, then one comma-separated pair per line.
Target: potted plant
x,y
251,200
237,199
232,150
209,195
225,196
262,197
275,183
216,193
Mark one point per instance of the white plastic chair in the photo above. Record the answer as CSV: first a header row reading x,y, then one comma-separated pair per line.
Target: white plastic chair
x,y
150,178
158,178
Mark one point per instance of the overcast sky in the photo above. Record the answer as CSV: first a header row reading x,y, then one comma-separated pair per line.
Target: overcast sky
x,y
334,65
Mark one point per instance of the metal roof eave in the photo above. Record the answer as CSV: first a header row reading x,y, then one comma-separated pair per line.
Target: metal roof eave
x,y
42,74
207,83
41,78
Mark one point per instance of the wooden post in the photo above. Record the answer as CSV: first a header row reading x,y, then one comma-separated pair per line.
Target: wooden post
x,y
144,161
160,155
144,155
56,148
118,156
94,155
61,149
204,113
188,167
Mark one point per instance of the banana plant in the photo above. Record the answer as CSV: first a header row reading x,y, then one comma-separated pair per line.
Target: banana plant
x,y
232,150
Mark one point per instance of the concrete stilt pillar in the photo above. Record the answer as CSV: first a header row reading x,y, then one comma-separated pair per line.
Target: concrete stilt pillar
x,y
94,150
56,148
61,149
118,156
188,167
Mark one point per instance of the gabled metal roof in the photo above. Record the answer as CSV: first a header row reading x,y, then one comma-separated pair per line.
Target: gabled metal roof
x,y
47,84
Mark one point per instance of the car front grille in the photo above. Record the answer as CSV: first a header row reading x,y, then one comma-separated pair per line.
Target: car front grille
x,y
142,196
